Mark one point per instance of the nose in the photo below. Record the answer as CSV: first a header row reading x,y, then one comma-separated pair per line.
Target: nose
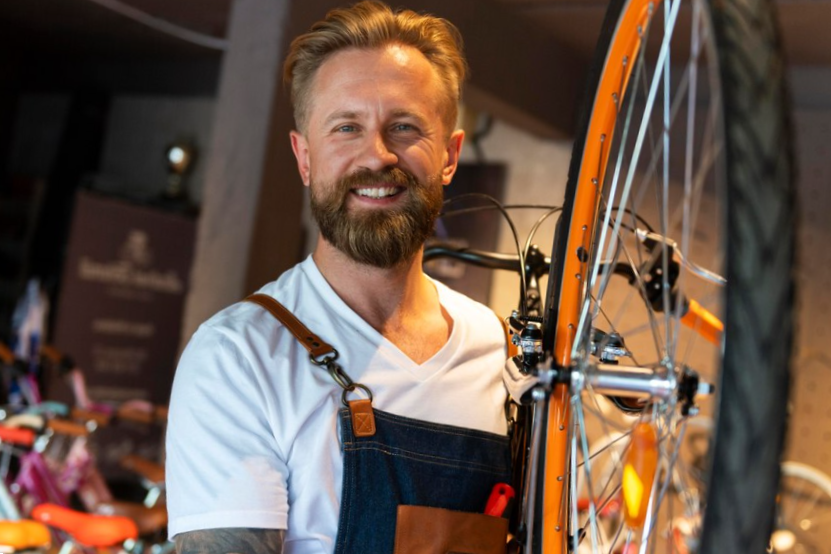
x,y
377,154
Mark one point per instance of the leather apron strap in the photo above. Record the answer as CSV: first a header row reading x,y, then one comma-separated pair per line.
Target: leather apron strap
x,y
311,342
322,353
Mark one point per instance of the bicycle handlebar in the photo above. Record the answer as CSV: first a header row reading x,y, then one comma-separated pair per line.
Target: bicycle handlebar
x,y
695,316
479,258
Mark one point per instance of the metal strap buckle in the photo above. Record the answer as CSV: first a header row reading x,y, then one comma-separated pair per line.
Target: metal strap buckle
x,y
339,375
346,392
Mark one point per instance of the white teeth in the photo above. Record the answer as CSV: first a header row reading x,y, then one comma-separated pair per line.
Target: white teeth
x,y
382,192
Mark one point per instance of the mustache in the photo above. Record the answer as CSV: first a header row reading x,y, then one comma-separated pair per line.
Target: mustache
x,y
367,177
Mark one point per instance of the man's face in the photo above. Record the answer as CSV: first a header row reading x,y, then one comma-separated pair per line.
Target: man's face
x,y
376,153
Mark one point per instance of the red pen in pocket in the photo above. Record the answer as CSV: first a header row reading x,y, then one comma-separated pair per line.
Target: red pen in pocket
x,y
500,500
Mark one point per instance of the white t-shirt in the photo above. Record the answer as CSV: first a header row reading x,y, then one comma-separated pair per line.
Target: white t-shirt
x,y
253,438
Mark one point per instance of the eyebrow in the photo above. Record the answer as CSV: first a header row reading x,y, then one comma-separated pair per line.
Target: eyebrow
x,y
409,114
343,114
351,114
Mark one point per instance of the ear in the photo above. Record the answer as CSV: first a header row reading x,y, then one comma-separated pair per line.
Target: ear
x,y
301,151
452,152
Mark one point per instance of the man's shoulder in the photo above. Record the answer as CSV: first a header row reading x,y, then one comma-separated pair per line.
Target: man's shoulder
x,y
300,290
289,290
245,336
243,323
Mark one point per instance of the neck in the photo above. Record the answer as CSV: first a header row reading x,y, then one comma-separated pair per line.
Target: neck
x,y
383,297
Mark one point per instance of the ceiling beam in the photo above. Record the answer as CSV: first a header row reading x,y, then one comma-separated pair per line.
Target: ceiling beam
x,y
239,166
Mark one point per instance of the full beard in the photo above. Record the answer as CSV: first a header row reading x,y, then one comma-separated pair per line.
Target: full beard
x,y
380,237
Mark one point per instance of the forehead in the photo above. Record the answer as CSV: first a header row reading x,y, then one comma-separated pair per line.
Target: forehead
x,y
393,76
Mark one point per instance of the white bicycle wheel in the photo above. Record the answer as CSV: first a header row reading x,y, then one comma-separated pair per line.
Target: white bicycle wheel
x,y
803,513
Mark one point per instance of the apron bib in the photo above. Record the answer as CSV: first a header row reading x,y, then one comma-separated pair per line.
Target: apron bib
x,y
413,463
409,486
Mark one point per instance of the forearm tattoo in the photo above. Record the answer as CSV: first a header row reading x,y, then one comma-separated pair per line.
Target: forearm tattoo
x,y
230,541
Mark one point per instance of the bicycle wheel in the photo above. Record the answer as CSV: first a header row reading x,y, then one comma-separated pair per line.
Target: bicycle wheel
x,y
803,511
671,279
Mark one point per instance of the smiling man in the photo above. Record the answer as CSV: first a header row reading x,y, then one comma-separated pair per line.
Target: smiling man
x,y
267,451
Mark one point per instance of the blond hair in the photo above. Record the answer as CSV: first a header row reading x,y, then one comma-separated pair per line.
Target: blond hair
x,y
372,24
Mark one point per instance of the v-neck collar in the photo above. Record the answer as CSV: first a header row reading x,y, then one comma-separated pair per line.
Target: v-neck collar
x,y
387,348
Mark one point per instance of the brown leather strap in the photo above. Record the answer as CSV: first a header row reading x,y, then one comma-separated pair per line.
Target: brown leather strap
x,y
314,344
363,418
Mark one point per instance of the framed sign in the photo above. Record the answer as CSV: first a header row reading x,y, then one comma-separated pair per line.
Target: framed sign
x,y
121,298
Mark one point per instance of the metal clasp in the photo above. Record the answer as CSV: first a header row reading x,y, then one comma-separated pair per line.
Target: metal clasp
x,y
339,375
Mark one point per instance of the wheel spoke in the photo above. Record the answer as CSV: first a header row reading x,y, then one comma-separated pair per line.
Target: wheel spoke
x,y
651,222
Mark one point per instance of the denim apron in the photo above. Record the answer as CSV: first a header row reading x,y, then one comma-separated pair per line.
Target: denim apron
x,y
416,463
400,461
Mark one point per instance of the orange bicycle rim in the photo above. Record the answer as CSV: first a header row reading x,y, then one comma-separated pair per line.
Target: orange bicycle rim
x,y
624,48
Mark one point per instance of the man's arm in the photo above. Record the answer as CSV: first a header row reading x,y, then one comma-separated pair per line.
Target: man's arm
x,y
230,541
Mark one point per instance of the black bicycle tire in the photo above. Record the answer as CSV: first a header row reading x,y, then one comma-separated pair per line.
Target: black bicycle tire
x,y
759,323
752,418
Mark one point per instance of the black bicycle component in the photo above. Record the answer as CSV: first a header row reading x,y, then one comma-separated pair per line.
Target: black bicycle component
x,y
527,331
652,272
536,265
628,405
661,259
472,256
688,388
529,342
608,346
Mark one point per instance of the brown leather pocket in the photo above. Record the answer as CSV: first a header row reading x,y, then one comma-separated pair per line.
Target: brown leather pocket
x,y
422,530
